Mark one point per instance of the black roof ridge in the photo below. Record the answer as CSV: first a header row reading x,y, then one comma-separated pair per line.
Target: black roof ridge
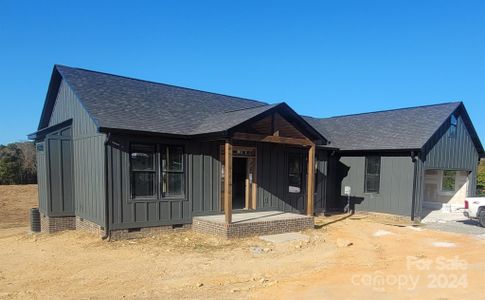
x,y
387,110
161,83
252,107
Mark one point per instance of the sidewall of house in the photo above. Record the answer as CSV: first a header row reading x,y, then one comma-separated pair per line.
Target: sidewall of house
x,y
396,184
444,152
203,169
88,156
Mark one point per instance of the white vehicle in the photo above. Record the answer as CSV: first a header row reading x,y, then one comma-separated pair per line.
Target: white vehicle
x,y
475,209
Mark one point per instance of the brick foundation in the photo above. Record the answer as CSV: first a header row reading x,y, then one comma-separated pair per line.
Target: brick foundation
x,y
247,229
233,230
56,224
144,232
88,226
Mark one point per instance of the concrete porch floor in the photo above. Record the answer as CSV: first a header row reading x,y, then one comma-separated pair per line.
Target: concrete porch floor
x,y
255,223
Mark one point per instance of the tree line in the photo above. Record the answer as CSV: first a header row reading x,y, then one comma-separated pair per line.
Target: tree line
x,y
481,178
18,164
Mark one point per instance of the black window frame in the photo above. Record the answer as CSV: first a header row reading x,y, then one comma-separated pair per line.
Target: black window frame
x,y
158,156
154,171
163,172
374,176
300,174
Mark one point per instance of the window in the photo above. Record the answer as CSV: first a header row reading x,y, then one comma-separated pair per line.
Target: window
x,y
157,171
448,181
453,124
372,174
143,170
172,171
294,172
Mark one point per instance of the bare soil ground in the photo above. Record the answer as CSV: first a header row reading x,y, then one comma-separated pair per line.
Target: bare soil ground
x,y
383,262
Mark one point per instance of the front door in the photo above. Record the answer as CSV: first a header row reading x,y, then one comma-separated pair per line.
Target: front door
x,y
239,175
296,190
244,184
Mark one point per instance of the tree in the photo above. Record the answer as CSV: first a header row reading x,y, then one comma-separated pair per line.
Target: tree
x,y
18,163
29,162
481,178
10,164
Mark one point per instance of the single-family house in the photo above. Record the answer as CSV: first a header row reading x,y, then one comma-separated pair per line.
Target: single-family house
x,y
117,155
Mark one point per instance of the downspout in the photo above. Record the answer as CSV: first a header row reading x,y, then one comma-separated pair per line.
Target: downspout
x,y
413,203
107,232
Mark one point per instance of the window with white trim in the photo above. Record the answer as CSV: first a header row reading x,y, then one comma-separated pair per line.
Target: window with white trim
x,y
448,181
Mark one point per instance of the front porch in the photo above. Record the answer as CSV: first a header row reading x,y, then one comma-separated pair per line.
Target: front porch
x,y
246,224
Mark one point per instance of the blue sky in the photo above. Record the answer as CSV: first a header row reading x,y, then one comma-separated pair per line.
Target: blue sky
x,y
323,58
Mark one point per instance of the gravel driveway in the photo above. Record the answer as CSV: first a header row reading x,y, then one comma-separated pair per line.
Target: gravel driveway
x,y
454,222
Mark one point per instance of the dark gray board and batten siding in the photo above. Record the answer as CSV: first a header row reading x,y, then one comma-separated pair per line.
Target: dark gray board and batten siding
x,y
396,185
272,178
453,153
88,155
447,153
55,173
203,184
59,162
204,177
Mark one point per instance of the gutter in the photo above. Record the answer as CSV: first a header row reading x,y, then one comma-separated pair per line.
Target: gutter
x,y
107,231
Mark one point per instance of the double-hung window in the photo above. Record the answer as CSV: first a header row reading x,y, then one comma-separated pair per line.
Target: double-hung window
x,y
372,174
143,171
157,171
172,171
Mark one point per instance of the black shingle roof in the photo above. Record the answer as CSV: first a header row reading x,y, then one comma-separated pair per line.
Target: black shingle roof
x,y
398,129
118,102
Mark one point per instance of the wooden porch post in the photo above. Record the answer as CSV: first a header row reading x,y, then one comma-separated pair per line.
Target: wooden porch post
x,y
310,179
228,181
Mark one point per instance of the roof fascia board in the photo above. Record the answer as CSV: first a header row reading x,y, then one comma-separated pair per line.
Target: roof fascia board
x,y
50,98
40,134
471,130
278,108
380,152
468,123
120,131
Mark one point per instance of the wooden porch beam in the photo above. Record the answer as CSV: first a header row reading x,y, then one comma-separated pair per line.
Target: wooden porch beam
x,y
228,181
271,139
311,180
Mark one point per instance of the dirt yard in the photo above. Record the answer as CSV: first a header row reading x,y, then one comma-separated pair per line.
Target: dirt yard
x,y
358,257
